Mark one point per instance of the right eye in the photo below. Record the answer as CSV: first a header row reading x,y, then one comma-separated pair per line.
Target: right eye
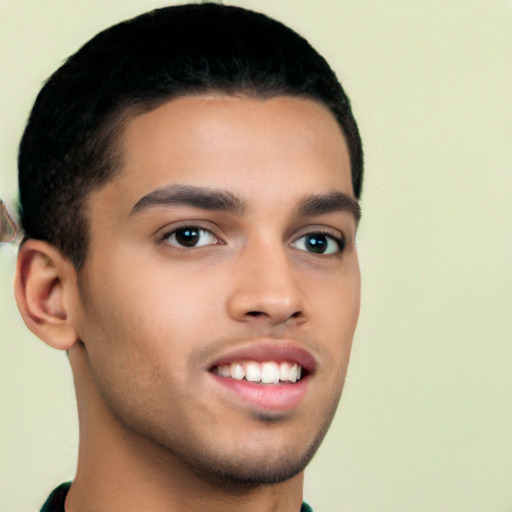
x,y
191,237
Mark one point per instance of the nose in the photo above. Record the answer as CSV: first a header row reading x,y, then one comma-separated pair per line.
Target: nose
x,y
266,288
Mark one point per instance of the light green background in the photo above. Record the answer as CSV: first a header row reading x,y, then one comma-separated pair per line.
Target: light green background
x,y
425,422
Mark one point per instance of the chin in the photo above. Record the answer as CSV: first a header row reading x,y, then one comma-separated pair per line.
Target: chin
x,y
242,475
237,471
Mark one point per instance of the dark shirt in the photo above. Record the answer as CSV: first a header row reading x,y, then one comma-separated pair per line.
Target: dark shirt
x,y
55,502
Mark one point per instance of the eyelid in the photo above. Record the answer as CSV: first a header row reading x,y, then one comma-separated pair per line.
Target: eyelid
x,y
337,236
163,234
332,232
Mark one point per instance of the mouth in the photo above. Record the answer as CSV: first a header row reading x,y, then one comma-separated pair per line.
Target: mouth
x,y
267,372
269,376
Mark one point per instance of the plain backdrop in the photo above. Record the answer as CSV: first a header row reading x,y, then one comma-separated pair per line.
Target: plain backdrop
x,y
425,422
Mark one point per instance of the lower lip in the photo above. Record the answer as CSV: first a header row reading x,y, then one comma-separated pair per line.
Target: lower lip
x,y
271,397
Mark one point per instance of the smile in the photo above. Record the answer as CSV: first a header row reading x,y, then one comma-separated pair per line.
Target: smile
x,y
265,375
267,372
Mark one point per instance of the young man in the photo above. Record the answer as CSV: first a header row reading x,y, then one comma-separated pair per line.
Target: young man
x,y
188,185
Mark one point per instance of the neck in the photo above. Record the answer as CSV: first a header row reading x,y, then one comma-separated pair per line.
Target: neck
x,y
119,470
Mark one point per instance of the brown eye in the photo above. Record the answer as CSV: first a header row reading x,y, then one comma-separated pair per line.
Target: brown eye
x,y
191,237
319,243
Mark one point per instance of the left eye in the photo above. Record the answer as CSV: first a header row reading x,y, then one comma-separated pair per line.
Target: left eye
x,y
191,237
319,243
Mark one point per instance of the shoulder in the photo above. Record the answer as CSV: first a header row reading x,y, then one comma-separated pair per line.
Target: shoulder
x,y
55,502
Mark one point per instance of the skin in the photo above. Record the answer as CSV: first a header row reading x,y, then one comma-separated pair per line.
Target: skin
x,y
146,318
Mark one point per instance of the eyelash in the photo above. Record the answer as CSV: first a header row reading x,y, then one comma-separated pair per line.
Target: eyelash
x,y
338,240
191,227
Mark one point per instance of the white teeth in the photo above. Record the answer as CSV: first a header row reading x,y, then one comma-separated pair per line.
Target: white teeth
x,y
237,371
268,372
253,372
288,372
224,370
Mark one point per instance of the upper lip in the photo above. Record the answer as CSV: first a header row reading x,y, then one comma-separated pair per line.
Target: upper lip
x,y
268,350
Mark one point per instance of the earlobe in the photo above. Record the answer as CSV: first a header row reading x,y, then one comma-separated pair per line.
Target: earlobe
x,y
44,286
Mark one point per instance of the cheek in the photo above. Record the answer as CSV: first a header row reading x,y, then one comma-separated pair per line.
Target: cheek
x,y
341,294
337,305
158,287
179,300
352,291
129,354
174,305
165,315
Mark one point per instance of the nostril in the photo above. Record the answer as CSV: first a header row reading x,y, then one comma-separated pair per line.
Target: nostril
x,y
255,313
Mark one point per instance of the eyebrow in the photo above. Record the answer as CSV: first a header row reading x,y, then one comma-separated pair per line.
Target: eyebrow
x,y
321,204
223,201
190,195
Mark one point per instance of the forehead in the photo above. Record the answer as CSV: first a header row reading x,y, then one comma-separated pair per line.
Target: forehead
x,y
250,146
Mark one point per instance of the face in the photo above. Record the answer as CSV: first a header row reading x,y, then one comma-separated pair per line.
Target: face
x,y
221,289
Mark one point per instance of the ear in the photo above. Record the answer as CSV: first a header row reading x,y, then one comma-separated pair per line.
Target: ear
x,y
45,287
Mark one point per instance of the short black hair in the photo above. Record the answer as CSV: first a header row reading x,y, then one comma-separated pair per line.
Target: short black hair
x,y
69,147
